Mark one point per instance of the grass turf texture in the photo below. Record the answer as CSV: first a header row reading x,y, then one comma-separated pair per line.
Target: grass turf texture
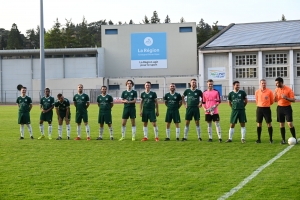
x,y
44,169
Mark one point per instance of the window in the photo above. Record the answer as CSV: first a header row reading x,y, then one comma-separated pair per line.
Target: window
x,y
185,29
245,72
273,72
245,60
142,86
298,71
272,59
180,85
298,58
114,87
111,31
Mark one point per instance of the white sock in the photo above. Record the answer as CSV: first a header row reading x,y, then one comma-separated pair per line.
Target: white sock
x,y
231,132
49,130
111,132
22,130
218,129
87,130
209,130
123,130
243,132
68,127
29,129
177,132
145,129
42,129
168,133
78,130
59,130
198,131
101,130
133,130
186,131
155,131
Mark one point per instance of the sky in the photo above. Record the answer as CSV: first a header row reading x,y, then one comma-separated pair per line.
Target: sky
x,y
26,13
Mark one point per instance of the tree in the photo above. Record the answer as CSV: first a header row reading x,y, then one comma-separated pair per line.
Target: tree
x,y
69,36
283,18
182,20
203,32
215,29
84,37
155,19
3,38
119,23
95,31
131,22
54,37
167,20
14,40
146,20
110,22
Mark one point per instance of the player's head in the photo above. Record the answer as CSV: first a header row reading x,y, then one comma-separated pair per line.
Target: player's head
x,y
236,85
103,89
129,84
60,97
193,83
23,90
148,85
263,83
80,88
210,84
47,92
279,82
172,87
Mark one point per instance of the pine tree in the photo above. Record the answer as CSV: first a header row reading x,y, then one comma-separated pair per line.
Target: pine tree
x,y
203,32
155,19
215,29
182,20
3,38
14,40
283,18
84,37
110,22
167,20
146,20
131,22
54,37
69,37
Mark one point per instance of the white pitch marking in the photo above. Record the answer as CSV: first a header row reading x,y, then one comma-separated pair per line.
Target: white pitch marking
x,y
254,174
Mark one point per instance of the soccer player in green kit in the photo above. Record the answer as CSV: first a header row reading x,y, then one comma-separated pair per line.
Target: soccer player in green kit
x,y
62,107
105,103
237,100
192,106
25,105
129,97
46,106
81,102
148,106
173,102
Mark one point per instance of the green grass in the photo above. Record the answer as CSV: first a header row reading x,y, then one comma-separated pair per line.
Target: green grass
x,y
34,169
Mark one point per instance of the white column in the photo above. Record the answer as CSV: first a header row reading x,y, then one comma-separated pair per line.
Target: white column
x,y
201,70
292,69
230,80
260,67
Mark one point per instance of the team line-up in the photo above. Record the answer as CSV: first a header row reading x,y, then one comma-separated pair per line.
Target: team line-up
x,y
192,99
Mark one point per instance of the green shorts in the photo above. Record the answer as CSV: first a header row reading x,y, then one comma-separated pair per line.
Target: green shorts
x,y
104,117
63,115
172,115
192,112
148,115
129,112
81,116
46,117
24,118
238,115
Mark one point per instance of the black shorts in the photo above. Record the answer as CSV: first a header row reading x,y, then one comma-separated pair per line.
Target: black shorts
x,y
214,117
263,112
284,113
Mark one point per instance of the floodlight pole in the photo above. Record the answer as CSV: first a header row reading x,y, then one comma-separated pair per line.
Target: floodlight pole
x,y
42,51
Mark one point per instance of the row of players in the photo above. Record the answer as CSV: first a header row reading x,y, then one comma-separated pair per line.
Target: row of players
x,y
192,99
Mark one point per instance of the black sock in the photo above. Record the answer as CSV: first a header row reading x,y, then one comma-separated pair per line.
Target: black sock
x,y
258,132
282,131
270,130
293,132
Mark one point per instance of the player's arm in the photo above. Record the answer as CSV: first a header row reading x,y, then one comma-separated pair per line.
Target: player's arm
x,y
245,101
56,109
141,107
156,107
200,101
74,102
275,96
290,97
183,101
49,109
271,98
30,107
87,104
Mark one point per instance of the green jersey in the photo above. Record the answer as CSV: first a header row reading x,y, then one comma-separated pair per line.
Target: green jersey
x,y
130,96
62,106
237,99
192,97
46,102
105,102
24,104
81,101
172,100
148,100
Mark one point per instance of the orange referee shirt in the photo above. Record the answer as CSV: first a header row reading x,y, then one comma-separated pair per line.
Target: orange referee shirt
x,y
284,90
264,98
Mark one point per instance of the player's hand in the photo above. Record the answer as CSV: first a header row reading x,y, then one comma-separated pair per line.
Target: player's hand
x,y
200,105
157,114
141,114
283,96
59,119
44,111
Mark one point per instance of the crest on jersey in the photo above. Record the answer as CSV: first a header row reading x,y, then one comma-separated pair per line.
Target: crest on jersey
x,y
106,99
239,95
25,99
195,93
131,93
82,97
150,96
48,99
175,97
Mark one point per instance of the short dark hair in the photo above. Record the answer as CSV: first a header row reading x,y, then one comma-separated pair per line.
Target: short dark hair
x,y
209,80
24,88
47,89
59,95
148,82
130,81
193,79
279,79
234,82
104,86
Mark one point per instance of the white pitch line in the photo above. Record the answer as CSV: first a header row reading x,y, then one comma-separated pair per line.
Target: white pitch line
x,y
254,174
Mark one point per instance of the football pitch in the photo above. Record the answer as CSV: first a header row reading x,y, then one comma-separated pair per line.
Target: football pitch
x,y
69,169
